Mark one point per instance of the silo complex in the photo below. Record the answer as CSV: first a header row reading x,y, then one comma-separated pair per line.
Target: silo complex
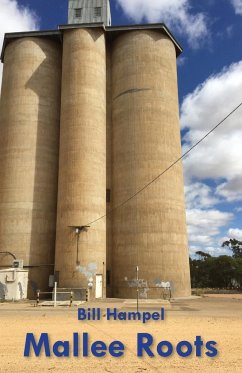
x,y
82,165
29,137
150,230
89,115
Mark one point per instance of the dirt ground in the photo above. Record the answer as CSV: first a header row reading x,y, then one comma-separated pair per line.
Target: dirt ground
x,y
212,318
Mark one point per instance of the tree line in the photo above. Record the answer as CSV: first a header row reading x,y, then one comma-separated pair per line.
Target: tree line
x,y
218,272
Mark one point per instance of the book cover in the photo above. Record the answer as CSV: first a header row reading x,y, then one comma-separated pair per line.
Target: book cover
x,y
120,186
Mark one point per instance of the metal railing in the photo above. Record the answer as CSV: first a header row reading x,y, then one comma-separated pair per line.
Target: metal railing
x,y
55,293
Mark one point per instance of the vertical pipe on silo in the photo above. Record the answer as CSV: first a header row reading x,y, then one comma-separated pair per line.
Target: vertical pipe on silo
x,y
109,171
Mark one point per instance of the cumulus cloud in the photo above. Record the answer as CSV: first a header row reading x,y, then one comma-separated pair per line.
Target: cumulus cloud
x,y
204,228
217,159
204,222
231,190
200,195
176,14
204,225
237,4
212,250
235,233
219,156
13,18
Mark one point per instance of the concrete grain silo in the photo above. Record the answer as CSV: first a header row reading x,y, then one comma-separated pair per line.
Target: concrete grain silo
x,y
81,251
29,137
150,230
113,130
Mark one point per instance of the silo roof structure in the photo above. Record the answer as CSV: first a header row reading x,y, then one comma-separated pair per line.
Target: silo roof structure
x,y
111,32
11,36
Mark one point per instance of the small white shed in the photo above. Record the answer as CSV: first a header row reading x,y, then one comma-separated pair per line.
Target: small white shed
x,y
13,284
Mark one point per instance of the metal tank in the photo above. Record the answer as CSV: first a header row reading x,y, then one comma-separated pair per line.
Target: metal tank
x,y
149,232
29,137
81,250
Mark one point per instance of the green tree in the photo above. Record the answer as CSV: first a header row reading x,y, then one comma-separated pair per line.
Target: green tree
x,y
238,271
202,255
199,273
235,246
216,272
221,271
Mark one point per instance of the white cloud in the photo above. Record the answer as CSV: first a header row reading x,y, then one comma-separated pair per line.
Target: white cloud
x,y
212,250
204,225
14,18
235,233
175,13
238,209
217,251
199,195
181,61
237,4
231,190
213,99
219,156
200,240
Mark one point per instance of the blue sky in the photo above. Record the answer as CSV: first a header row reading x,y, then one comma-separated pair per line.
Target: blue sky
x,y
210,86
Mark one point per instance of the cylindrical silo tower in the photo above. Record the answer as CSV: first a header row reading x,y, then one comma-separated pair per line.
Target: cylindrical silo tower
x,y
149,232
29,142
81,251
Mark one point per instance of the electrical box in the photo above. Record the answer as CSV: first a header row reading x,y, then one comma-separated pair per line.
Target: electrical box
x,y
13,284
51,281
18,264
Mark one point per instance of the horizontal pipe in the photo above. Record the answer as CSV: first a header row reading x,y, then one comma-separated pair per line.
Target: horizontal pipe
x,y
8,253
33,266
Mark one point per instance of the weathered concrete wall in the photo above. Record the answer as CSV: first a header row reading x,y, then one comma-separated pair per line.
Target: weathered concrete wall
x,y
149,231
82,165
29,136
